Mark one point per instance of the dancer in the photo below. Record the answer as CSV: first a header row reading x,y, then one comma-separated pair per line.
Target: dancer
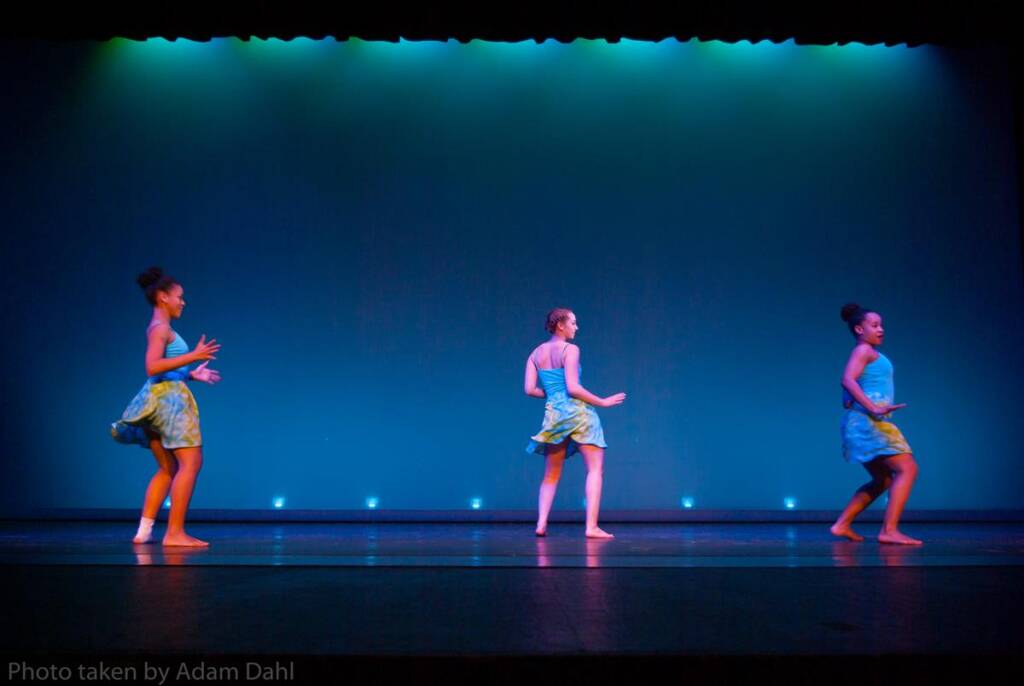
x,y
869,436
163,415
570,422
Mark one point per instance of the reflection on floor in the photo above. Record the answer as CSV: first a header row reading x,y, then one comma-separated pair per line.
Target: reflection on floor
x,y
496,590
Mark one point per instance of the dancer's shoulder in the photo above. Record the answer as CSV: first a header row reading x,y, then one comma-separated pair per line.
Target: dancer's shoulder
x,y
161,329
864,351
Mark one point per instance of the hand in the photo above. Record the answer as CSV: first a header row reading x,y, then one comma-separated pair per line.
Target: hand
x,y
205,350
201,373
613,400
882,409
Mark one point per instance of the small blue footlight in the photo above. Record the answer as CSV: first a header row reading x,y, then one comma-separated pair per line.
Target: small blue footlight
x,y
372,503
167,502
790,503
687,503
278,502
475,503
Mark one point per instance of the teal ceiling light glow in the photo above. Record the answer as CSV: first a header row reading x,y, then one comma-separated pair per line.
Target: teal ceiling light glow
x,y
626,53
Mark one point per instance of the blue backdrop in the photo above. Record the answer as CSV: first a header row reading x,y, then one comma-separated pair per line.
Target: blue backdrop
x,y
375,232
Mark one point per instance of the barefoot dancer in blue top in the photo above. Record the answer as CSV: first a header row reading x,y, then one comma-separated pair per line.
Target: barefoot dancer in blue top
x,y
570,422
869,436
163,415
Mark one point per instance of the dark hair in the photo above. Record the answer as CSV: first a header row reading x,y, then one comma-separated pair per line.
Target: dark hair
x,y
854,315
559,314
153,280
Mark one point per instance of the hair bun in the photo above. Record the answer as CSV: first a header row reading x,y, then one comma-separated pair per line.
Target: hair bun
x,y
150,277
849,309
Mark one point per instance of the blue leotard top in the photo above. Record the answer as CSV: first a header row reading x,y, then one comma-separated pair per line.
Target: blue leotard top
x,y
876,382
553,380
175,348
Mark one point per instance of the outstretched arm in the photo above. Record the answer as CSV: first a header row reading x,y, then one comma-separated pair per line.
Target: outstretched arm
x,y
576,390
156,363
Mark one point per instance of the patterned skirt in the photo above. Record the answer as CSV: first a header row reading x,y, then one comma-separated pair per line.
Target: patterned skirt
x,y
165,408
568,418
865,438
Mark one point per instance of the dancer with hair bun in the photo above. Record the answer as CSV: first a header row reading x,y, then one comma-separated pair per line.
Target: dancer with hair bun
x,y
570,422
163,416
869,435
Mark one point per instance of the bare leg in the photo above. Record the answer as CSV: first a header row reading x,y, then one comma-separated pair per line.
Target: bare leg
x,y
881,479
552,473
594,458
156,492
190,461
167,466
904,471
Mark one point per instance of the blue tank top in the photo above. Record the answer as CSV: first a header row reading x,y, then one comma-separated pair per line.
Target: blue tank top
x,y
876,382
553,380
176,348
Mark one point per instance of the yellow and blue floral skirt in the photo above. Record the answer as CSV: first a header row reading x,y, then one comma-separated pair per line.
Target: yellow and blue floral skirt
x,y
865,438
165,408
568,418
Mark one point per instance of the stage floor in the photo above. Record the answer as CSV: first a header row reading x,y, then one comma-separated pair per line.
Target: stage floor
x,y
512,545
495,590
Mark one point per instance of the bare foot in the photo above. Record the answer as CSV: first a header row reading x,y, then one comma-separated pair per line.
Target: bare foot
x,y
897,538
143,539
541,530
598,532
845,531
184,540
